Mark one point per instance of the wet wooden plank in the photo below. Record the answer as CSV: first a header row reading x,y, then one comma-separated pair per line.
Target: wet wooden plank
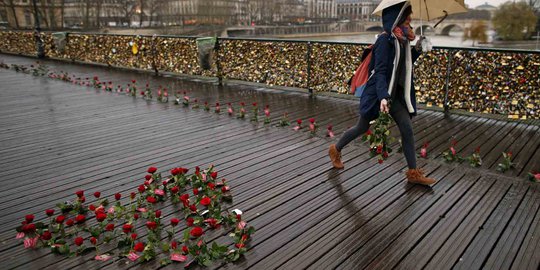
x,y
528,256
504,253
479,249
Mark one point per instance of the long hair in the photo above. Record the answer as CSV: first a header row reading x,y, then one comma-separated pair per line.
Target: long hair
x,y
406,13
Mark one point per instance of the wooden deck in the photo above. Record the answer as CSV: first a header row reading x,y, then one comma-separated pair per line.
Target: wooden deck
x,y
56,138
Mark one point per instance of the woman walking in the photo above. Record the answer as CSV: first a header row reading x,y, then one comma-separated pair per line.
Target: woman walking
x,y
391,66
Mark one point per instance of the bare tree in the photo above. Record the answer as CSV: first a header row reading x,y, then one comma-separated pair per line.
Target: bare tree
x,y
155,9
141,7
9,3
62,12
535,4
126,6
98,12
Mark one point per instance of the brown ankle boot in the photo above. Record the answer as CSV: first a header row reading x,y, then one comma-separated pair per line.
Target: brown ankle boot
x,y
416,176
335,157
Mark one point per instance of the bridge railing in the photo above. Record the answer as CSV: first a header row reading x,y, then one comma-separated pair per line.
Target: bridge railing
x,y
478,80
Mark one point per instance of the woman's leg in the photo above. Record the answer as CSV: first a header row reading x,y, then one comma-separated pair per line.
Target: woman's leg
x,y
403,120
335,149
361,127
404,123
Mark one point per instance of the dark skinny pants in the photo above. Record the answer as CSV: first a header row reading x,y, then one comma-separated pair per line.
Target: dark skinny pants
x,y
399,112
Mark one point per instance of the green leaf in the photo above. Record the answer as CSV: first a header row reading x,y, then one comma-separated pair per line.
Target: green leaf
x,y
186,235
165,247
123,243
165,261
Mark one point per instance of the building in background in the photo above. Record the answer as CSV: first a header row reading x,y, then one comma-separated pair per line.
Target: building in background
x,y
92,14
356,10
321,10
19,14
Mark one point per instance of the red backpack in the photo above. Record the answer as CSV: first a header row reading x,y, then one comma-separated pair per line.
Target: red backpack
x,y
361,75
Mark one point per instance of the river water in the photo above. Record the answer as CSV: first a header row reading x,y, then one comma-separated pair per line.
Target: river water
x,y
455,39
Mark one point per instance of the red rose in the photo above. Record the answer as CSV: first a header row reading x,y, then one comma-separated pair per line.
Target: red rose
x,y
101,217
239,245
158,213
212,222
136,216
49,212
93,240
80,219
213,175
70,222
148,177
133,236
151,199
97,194
225,188
196,231
174,221
142,93
254,104
211,186
174,245
79,241
152,170
206,201
139,247
184,170
82,199
185,249
312,120
299,121
381,161
184,197
117,196
195,191
127,228
385,154
132,195
175,190
244,237
189,221
109,227
46,236
142,188
29,218
151,225
242,104
193,207
368,132
174,171
29,228
92,208
79,193
60,219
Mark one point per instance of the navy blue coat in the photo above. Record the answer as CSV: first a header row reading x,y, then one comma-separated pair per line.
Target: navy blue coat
x,y
382,61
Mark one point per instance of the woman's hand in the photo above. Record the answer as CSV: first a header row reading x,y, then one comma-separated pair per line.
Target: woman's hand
x,y
418,45
384,106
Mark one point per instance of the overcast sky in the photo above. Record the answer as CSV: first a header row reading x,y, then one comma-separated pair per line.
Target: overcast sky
x,y
475,3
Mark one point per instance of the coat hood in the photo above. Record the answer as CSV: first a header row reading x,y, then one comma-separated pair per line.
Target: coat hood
x,y
391,15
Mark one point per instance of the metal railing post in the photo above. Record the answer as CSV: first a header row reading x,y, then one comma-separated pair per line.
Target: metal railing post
x,y
37,33
308,59
448,73
218,62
